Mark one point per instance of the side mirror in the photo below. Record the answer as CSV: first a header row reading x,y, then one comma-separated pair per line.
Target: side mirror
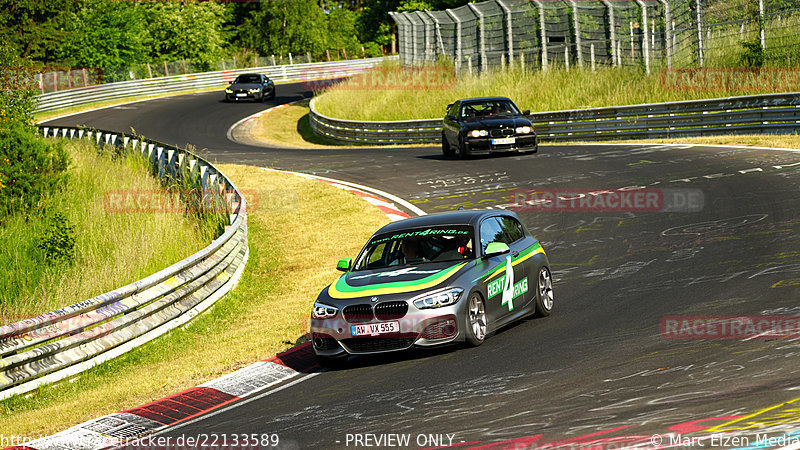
x,y
344,264
526,112
450,117
496,249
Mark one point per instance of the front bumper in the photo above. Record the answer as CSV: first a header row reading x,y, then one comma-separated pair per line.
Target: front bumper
x,y
423,328
243,96
485,145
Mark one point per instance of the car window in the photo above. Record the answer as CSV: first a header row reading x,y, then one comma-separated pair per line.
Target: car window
x,y
492,231
417,246
453,111
512,228
248,79
488,108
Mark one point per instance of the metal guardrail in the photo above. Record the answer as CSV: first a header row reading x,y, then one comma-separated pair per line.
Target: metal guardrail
x,y
178,83
753,114
61,343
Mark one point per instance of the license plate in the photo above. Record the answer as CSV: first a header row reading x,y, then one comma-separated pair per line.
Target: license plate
x,y
241,95
373,329
503,141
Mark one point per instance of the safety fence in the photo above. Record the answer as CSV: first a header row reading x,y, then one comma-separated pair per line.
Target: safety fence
x,y
67,341
589,33
754,114
179,83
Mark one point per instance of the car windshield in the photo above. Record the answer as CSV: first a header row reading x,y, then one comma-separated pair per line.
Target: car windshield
x,y
417,246
488,108
248,79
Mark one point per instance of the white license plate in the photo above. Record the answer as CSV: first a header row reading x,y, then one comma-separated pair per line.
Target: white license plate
x,y
503,141
373,329
241,95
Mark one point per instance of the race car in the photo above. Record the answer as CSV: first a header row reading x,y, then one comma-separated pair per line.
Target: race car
x,y
480,126
444,278
250,86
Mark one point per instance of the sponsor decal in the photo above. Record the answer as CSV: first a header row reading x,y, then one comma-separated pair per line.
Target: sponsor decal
x,y
505,285
395,273
523,256
341,289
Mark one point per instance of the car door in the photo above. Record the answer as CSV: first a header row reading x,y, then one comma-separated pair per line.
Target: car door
x,y
500,301
525,273
450,124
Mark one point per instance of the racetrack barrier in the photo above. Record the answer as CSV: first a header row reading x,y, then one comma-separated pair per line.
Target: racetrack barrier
x,y
752,114
67,341
179,83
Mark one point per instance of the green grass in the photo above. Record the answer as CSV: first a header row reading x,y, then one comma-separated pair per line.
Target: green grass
x,y
558,89
112,248
292,257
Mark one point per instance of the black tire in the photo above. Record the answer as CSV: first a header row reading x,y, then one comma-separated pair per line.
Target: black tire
x,y
544,292
475,325
447,150
272,94
462,149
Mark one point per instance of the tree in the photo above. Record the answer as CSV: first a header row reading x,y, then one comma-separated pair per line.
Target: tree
x,y
184,30
283,26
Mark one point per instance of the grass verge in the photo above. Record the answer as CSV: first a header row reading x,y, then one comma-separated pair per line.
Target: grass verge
x,y
297,232
551,90
111,248
750,140
289,127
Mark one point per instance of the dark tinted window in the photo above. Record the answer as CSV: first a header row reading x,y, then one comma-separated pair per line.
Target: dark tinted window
x,y
512,228
492,231
248,79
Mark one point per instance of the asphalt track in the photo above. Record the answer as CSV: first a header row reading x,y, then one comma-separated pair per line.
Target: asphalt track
x,y
599,369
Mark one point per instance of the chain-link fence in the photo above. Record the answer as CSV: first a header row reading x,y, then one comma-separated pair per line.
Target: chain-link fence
x,y
589,33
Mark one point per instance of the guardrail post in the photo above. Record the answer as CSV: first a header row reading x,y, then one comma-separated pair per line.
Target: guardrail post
x,y
543,34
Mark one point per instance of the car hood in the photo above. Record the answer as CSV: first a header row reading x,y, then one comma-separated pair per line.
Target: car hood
x,y
508,121
398,280
245,86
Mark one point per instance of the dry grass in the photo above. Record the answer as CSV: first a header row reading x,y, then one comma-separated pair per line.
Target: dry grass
x,y
551,90
112,248
753,140
295,241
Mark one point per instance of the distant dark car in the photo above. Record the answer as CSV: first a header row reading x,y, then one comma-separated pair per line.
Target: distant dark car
x,y
250,86
480,126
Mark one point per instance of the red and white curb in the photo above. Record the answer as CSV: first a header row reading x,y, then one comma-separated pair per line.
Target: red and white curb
x,y
126,427
255,116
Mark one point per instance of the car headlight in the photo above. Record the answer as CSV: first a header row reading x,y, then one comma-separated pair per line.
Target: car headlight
x,y
321,311
478,133
524,130
438,299
253,91
229,91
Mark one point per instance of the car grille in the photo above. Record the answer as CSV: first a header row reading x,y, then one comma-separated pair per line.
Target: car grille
x,y
391,310
380,344
358,313
502,132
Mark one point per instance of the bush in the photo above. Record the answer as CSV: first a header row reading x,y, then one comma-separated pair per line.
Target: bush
x,y
58,241
30,167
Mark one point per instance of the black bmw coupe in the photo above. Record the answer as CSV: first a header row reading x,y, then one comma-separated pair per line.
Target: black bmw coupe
x,y
481,126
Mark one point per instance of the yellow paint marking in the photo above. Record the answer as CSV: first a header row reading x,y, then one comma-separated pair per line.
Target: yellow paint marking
x,y
787,283
780,417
